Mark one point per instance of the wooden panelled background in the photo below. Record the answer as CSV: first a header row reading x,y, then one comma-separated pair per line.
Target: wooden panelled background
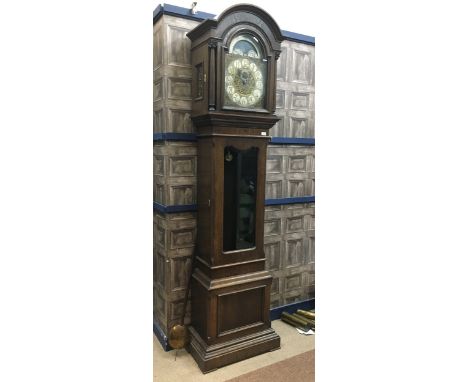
x,y
289,228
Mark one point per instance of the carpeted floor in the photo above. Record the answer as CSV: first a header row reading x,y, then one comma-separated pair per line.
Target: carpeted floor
x,y
298,368
185,369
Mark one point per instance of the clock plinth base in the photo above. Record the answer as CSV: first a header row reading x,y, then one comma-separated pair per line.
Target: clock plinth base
x,y
230,315
212,357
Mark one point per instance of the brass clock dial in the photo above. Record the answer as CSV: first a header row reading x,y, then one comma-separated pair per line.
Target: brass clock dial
x,y
245,73
244,82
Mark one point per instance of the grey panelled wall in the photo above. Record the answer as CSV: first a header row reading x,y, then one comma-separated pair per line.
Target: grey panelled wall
x,y
290,171
174,240
295,89
172,75
289,228
174,168
289,251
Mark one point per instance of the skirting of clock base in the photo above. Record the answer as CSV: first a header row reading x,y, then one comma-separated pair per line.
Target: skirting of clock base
x,y
212,357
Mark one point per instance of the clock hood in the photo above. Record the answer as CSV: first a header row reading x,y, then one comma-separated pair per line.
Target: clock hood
x,y
240,14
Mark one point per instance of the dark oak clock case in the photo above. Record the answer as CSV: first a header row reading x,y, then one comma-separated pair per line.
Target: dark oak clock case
x,y
230,287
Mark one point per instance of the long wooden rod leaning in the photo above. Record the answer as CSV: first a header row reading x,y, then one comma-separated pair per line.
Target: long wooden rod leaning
x,y
178,336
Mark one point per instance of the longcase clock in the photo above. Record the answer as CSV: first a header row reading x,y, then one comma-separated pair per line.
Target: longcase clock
x,y
234,92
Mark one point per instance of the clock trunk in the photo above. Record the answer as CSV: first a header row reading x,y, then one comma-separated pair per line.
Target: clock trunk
x,y
233,88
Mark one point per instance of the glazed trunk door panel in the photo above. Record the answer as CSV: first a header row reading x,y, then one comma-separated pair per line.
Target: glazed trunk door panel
x,y
240,189
241,180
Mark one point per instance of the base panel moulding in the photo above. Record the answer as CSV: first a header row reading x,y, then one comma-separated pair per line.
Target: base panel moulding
x,y
212,357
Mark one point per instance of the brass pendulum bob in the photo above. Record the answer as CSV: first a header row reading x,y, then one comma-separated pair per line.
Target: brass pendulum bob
x,y
178,337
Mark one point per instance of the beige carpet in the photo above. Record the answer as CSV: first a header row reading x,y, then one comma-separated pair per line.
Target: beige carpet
x,y
298,368
165,369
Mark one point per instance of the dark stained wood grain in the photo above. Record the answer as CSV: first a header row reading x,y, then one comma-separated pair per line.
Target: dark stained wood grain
x,y
230,289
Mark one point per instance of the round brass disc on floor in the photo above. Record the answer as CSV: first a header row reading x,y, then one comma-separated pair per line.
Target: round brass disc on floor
x,y
178,336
